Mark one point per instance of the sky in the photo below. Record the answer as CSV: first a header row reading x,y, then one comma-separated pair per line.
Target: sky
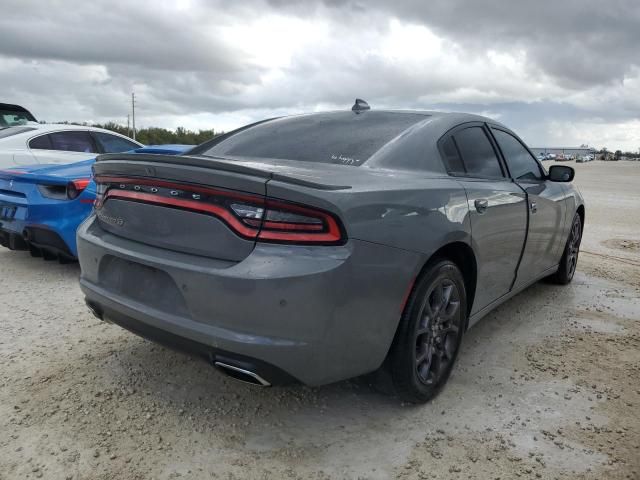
x,y
560,73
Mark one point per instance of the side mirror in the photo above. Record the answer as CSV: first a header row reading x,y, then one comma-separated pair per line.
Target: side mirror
x,y
561,173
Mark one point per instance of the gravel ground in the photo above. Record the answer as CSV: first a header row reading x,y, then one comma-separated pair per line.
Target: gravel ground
x,y
547,386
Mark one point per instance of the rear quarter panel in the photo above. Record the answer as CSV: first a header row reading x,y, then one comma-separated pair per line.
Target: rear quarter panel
x,y
406,211
403,219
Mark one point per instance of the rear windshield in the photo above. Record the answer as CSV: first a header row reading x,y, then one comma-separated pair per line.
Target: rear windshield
x,y
11,118
9,131
344,138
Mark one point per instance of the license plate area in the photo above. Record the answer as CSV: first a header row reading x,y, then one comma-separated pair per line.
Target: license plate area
x,y
143,284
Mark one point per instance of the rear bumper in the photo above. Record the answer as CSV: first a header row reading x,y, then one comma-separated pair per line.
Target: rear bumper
x,y
317,314
50,225
12,240
40,239
212,355
48,241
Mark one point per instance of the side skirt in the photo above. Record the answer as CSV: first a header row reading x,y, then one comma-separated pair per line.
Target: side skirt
x,y
478,315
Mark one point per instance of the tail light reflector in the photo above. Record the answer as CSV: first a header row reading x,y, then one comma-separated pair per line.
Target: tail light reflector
x,y
70,191
76,187
249,216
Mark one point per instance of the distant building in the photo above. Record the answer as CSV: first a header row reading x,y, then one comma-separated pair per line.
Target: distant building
x,y
573,151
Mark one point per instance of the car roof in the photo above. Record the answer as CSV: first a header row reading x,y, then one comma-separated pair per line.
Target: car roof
x,y
53,127
16,108
437,120
414,148
34,129
12,106
434,125
417,147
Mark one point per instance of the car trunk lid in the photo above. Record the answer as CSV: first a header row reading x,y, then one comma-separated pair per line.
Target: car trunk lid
x,y
157,200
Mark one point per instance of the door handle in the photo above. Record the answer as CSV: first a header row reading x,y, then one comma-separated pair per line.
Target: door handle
x,y
534,207
481,205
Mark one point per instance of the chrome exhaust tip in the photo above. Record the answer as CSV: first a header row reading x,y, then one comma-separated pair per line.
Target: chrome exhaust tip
x,y
242,375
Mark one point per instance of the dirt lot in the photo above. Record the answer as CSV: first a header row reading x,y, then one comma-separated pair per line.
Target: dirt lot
x,y
548,386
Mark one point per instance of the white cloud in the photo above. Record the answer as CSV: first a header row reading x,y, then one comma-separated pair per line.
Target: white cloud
x,y
209,65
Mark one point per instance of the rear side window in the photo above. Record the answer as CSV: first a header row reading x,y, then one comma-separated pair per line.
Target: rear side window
x,y
113,143
478,156
451,156
342,138
76,141
43,142
521,163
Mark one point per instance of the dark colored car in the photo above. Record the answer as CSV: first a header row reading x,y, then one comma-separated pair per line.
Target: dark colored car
x,y
321,247
12,115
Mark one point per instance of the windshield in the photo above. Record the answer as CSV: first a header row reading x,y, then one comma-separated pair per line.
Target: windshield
x,y
11,118
342,138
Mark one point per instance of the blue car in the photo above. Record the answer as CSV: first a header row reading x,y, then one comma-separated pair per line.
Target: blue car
x,y
41,206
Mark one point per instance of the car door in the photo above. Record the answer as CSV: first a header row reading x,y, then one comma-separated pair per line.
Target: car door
x,y
497,209
546,207
62,147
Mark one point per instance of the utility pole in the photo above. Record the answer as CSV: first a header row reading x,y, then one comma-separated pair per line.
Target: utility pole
x,y
128,124
133,113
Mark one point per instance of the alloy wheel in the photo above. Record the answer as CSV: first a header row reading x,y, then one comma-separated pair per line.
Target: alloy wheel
x,y
574,248
437,332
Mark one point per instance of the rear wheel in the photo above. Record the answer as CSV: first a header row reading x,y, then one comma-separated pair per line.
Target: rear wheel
x,y
430,332
569,260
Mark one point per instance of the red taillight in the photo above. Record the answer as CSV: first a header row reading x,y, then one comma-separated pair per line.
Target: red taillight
x,y
287,222
76,187
249,216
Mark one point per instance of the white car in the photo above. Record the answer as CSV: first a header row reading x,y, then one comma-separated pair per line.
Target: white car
x,y
33,143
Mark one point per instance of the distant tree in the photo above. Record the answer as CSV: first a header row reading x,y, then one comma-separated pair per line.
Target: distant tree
x,y
603,153
618,154
157,135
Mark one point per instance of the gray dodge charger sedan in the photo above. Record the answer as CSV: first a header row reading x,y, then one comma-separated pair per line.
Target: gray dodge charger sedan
x,y
319,247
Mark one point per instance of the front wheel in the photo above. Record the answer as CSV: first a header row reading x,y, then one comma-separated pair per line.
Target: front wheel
x,y
569,260
429,335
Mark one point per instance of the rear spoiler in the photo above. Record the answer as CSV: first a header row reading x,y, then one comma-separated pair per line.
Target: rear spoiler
x,y
248,167
29,177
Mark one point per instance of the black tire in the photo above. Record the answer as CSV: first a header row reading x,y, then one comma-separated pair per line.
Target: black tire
x,y
569,260
428,338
